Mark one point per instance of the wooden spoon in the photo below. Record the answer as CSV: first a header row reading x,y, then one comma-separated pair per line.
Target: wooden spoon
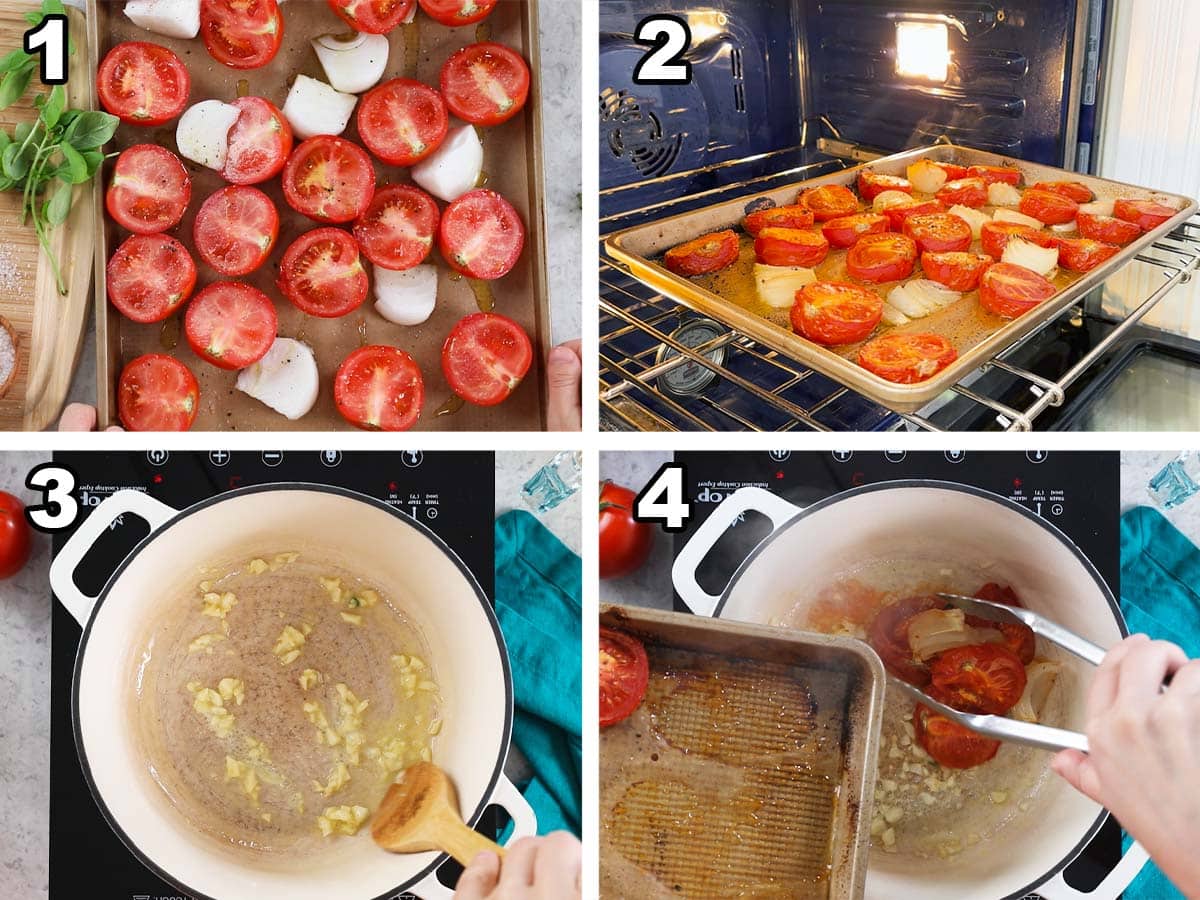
x,y
420,813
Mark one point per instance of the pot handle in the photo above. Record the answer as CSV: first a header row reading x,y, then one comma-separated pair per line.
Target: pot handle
x,y
1110,888
720,520
524,823
62,569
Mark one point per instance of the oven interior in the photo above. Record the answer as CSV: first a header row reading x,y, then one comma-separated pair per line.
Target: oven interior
x,y
785,91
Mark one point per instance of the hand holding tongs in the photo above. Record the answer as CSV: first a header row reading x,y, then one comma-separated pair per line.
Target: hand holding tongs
x,y
1001,727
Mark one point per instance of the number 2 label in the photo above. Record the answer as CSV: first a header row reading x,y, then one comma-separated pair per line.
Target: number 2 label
x,y
664,64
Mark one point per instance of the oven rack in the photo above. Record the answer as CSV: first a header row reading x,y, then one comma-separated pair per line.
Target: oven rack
x,y
758,389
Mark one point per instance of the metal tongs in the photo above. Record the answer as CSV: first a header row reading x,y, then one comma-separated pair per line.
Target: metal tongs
x,y
1001,727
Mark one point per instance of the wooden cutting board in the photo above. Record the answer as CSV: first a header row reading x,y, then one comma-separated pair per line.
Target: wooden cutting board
x,y
49,326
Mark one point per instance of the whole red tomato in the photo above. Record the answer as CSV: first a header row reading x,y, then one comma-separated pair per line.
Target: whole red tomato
x,y
14,535
624,543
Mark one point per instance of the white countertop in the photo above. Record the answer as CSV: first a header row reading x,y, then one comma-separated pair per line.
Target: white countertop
x,y
25,676
560,35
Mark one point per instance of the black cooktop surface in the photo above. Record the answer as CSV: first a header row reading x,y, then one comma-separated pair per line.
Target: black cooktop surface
x,y
450,493
1077,491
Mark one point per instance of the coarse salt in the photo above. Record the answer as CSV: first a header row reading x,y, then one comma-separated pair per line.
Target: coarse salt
x,y
8,355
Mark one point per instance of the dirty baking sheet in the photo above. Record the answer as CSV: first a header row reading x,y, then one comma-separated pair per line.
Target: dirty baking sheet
x,y
743,772
512,166
730,296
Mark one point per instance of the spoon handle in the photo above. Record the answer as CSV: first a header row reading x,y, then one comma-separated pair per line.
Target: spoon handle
x,y
464,843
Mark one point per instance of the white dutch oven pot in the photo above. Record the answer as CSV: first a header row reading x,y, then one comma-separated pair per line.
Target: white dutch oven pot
x,y
431,583
814,545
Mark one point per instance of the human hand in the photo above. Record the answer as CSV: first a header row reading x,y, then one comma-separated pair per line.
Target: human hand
x,y
564,375
81,417
535,868
1144,759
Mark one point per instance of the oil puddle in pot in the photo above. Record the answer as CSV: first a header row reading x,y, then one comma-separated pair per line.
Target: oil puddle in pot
x,y
277,699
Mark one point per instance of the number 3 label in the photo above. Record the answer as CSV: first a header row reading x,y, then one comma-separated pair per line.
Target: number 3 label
x,y
664,64
59,507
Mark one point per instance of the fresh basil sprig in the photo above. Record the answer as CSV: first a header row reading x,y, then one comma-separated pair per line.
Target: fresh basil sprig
x,y
45,158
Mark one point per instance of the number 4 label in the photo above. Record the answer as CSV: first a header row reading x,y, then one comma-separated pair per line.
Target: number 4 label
x,y
49,39
664,64
59,507
663,501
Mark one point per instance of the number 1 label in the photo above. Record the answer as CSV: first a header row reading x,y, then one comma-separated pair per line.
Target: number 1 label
x,y
49,40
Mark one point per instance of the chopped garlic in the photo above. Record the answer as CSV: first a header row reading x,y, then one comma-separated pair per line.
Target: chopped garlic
x,y
217,605
435,727
257,750
339,777
232,689
316,715
362,599
352,618
342,819
205,642
333,587
208,703
257,566
282,560
999,797
288,645
310,678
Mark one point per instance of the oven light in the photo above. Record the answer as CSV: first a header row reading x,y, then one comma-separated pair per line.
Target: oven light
x,y
923,50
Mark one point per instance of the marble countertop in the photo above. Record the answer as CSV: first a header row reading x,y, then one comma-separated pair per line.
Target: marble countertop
x,y
560,36
25,675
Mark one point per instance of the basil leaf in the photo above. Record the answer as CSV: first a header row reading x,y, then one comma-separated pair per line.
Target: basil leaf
x,y
53,7
13,85
68,116
5,140
33,18
56,102
13,60
59,205
21,132
74,164
6,182
91,130
13,162
94,160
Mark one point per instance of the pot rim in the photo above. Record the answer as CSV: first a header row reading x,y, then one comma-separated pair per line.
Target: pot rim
x,y
937,484
489,612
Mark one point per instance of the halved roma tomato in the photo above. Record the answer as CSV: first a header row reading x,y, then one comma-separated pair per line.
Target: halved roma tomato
x,y
321,274
1084,254
157,392
259,142
829,201
777,217
1048,207
907,358
1145,214
790,247
953,171
372,16
379,388
982,678
836,312
992,174
994,236
1076,190
142,83
882,257
149,190
230,324
703,255
482,236
329,179
624,674
485,357
954,746
888,636
1109,229
845,231
1009,291
235,229
1018,637
402,121
485,83
958,271
898,215
149,275
938,232
871,185
396,231
457,12
970,192
241,34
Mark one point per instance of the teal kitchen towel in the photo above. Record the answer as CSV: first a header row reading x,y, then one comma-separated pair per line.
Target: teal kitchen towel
x,y
539,586
1160,577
